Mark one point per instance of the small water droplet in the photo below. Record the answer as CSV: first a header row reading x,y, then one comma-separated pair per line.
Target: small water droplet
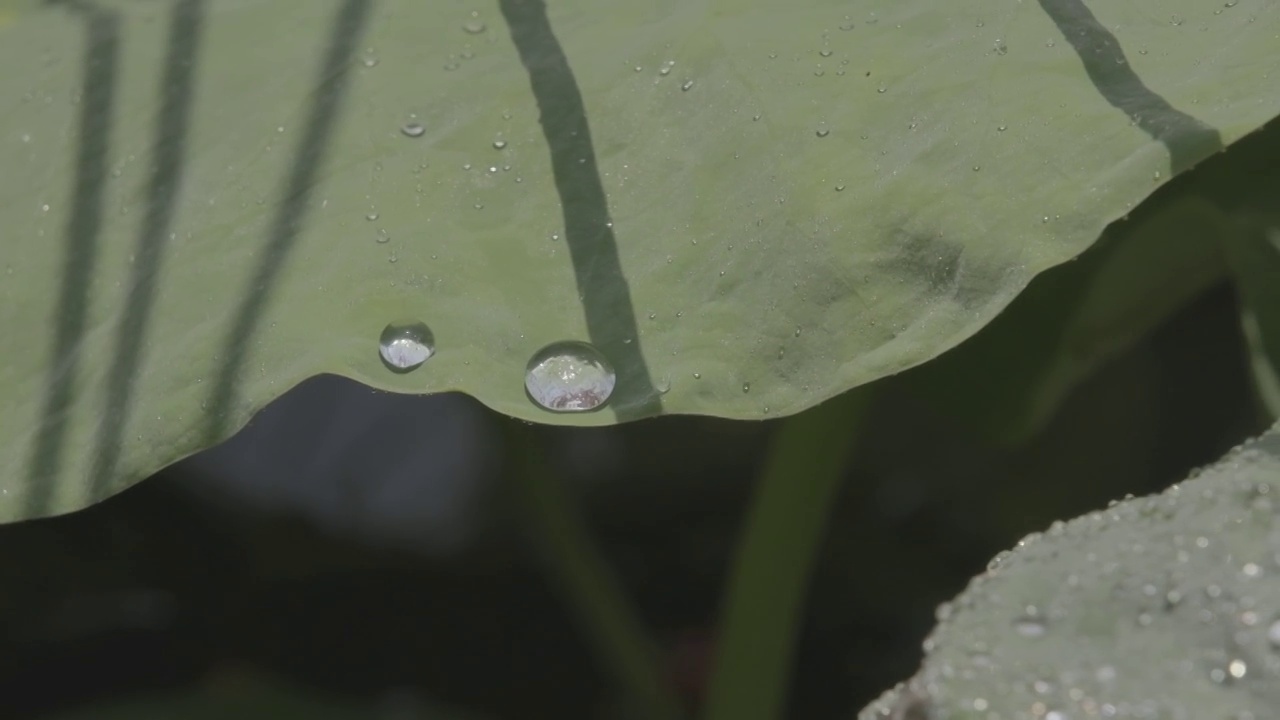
x,y
822,130
473,27
499,144
825,52
382,236
687,84
1001,47
569,376
746,387
413,130
369,60
1030,627
665,69
840,188
405,345
1001,128
1176,20
882,89
371,216
697,376
846,26
976,168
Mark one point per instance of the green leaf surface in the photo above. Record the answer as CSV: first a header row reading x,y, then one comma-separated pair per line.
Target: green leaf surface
x,y
1160,607
1073,318
783,202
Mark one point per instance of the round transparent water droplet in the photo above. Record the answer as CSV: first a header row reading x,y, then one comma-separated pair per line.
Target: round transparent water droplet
x,y
413,130
746,387
569,376
383,236
499,144
822,130
473,27
371,216
404,345
825,52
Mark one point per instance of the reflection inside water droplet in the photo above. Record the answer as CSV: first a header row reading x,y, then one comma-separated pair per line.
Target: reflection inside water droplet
x,y
569,376
404,345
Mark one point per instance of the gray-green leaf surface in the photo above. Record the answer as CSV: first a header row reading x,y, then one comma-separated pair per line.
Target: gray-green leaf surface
x,y
1161,607
748,206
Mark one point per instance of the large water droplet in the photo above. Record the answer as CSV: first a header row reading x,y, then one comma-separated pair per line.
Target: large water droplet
x,y
406,344
413,130
473,27
569,376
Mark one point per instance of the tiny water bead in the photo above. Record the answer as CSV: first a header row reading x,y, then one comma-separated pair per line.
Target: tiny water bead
x,y
404,345
569,376
413,129
473,27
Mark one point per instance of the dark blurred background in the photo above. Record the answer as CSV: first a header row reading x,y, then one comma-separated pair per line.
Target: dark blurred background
x,y
367,545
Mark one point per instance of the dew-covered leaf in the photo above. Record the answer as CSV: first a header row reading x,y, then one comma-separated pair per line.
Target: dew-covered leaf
x,y
1164,607
746,206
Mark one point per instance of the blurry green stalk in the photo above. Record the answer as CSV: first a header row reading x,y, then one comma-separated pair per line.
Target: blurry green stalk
x,y
588,583
764,603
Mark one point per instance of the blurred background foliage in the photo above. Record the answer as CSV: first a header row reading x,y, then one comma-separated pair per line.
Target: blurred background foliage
x,y
361,546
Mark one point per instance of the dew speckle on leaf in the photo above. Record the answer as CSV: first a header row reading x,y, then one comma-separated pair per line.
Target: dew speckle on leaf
x,y
499,144
413,129
405,345
569,376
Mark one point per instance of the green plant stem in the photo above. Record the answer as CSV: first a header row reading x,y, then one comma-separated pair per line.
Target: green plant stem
x,y
588,583
763,606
